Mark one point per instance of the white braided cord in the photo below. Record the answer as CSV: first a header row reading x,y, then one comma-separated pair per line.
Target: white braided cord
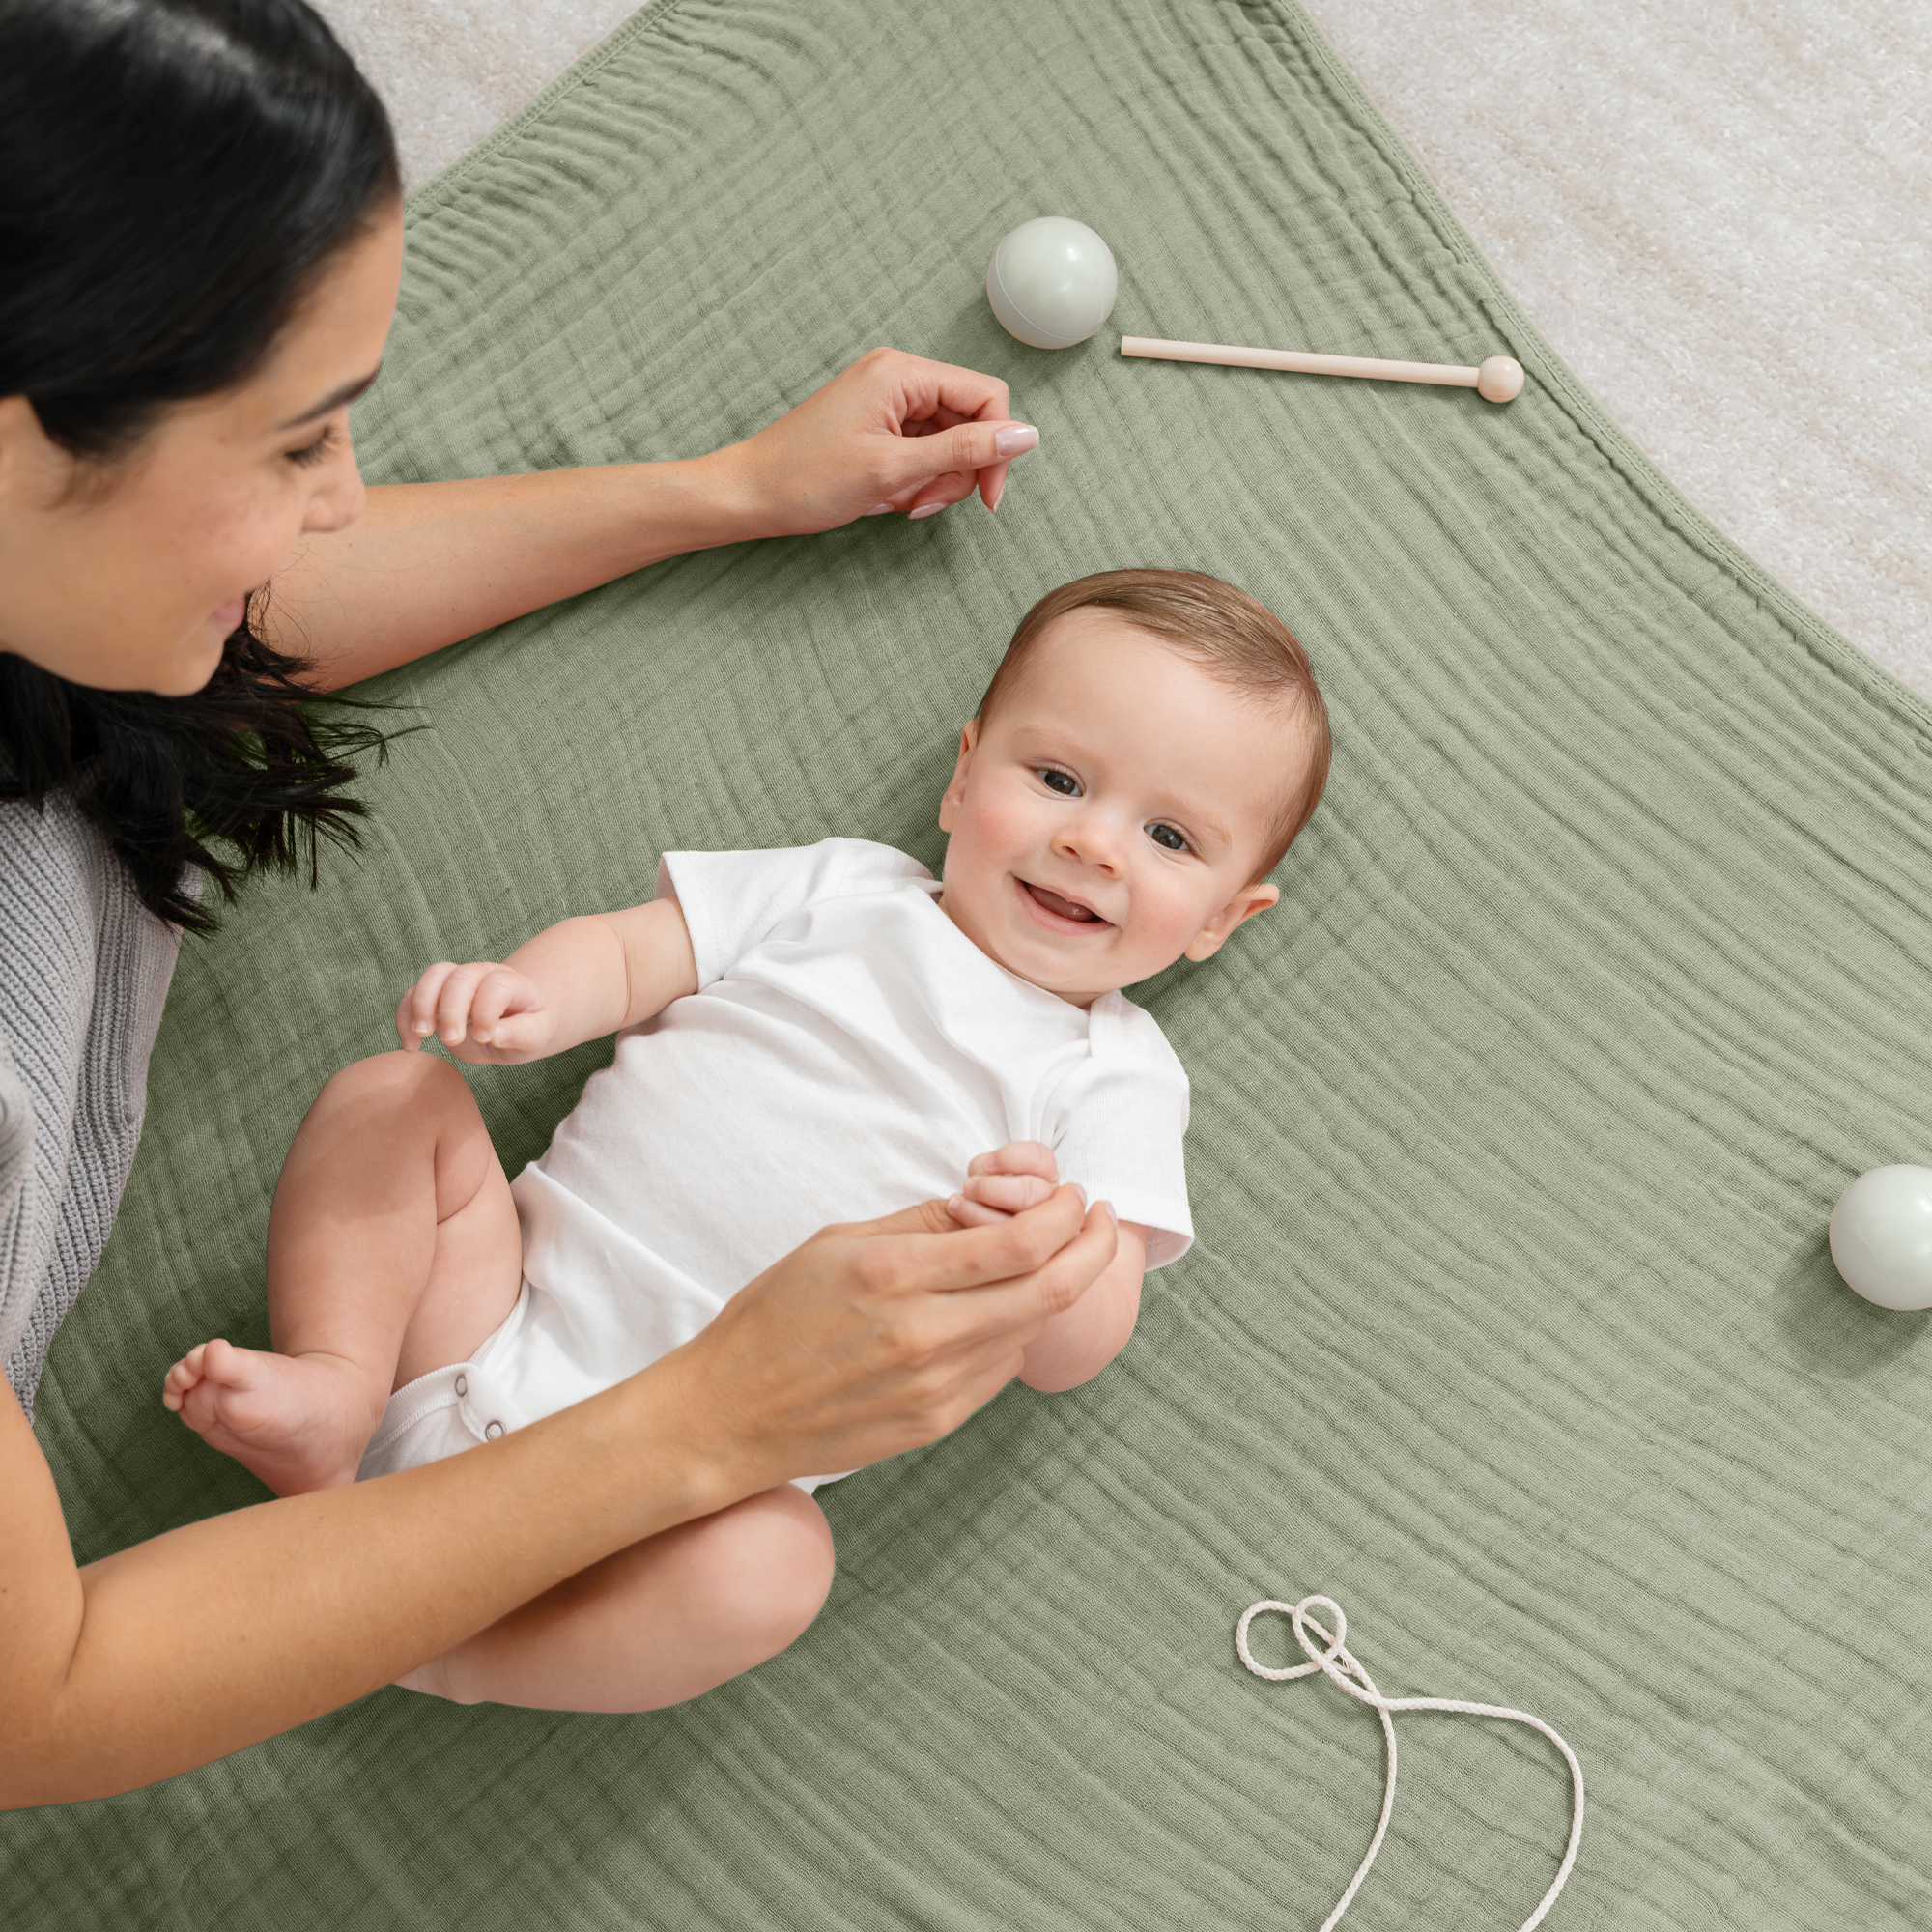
x,y
1331,1657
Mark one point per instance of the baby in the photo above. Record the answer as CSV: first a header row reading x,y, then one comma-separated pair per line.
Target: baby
x,y
803,1033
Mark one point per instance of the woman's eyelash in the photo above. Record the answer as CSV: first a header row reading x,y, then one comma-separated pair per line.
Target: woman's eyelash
x,y
315,451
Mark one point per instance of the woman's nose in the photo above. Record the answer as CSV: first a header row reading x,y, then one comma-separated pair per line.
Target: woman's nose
x,y
339,498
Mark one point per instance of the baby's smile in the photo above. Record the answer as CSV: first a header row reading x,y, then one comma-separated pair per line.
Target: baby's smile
x,y
1059,912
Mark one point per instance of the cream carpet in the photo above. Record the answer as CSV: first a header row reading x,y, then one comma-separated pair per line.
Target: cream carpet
x,y
1720,215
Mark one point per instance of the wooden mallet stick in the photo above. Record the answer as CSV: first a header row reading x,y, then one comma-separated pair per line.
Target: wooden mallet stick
x,y
1497,380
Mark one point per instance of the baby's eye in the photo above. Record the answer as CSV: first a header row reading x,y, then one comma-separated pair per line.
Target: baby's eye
x,y
1063,782
1166,836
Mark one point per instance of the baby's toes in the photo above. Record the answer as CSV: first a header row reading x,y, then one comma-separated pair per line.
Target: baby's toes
x,y
183,1377
223,1362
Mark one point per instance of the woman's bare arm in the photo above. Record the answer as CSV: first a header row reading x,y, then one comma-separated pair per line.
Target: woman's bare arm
x,y
868,1340
428,564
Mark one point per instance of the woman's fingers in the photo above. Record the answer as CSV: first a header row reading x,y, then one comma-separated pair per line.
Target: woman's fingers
x,y
970,1214
897,1256
879,1336
890,432
941,493
973,452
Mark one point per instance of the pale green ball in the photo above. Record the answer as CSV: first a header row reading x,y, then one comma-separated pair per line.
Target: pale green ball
x,y
1882,1235
1052,282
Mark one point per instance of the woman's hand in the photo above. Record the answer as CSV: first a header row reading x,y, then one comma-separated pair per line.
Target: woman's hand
x,y
892,432
483,1012
877,1337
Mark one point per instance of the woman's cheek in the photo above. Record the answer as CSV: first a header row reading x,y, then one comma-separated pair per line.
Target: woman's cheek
x,y
245,534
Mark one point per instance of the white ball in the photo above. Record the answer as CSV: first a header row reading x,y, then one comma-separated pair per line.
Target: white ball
x,y
1882,1235
1052,282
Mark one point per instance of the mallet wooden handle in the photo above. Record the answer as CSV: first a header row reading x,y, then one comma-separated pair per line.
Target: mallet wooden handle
x,y
1497,380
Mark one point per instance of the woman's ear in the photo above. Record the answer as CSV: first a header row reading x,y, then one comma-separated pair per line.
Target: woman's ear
x,y
33,466
949,805
1238,910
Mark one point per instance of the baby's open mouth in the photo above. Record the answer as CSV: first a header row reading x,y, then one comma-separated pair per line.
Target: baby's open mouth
x,y
1061,907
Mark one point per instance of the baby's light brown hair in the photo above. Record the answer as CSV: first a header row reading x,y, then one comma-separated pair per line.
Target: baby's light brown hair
x,y
1236,639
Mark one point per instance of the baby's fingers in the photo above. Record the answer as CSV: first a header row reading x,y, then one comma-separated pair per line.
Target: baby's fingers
x,y
1018,1157
415,1010
453,1000
1008,1193
500,996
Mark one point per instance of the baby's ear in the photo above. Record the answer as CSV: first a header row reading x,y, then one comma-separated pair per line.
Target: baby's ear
x,y
949,804
1238,910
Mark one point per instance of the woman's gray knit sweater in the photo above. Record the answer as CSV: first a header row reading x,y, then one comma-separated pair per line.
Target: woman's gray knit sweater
x,y
84,968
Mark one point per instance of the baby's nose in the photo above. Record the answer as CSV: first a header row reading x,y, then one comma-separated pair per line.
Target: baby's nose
x,y
1091,840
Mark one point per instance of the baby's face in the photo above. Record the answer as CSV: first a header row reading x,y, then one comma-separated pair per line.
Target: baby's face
x,y
1112,813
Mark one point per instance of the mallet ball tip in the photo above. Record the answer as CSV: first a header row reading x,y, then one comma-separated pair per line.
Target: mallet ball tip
x,y
1499,379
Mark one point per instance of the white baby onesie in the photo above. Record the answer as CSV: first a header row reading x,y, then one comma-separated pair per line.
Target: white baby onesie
x,y
847,1052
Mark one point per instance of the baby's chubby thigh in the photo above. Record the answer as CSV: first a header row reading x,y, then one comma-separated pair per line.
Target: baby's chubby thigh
x,y
660,1622
596,1305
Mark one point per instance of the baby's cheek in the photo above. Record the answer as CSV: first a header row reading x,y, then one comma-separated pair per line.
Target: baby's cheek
x,y
1165,919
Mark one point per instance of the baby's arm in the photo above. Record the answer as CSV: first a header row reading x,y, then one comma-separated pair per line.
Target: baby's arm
x,y
1076,1345
575,980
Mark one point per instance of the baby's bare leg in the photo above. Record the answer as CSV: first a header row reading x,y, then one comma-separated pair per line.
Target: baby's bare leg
x,y
393,1249
657,1623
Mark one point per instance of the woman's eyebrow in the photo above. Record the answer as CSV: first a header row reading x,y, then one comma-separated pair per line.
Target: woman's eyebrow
x,y
335,400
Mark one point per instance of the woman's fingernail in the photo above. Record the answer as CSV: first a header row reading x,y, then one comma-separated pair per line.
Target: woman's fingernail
x,y
877,510
1015,439
1111,1216
999,491
1082,1192
925,510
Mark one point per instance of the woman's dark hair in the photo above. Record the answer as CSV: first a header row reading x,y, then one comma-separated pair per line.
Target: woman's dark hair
x,y
174,174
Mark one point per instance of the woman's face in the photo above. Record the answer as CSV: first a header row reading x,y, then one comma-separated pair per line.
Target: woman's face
x,y
129,575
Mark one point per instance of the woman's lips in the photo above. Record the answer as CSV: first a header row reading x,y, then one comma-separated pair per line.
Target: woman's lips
x,y
1059,914
225,616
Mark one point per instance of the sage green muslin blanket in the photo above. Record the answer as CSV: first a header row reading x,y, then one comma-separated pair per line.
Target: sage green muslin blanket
x,y
1511,1324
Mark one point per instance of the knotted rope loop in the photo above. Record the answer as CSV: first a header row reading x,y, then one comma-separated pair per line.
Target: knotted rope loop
x,y
1327,1652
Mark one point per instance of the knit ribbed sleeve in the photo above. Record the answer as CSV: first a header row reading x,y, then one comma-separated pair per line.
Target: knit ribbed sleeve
x,y
84,969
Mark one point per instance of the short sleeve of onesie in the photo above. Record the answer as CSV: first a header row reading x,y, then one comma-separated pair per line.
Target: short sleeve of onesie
x,y
731,901
1115,1123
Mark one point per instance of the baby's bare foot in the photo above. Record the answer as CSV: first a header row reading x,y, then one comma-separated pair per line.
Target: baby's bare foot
x,y
298,1422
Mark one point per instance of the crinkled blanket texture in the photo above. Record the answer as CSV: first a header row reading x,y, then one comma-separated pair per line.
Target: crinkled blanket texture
x,y
1512,1324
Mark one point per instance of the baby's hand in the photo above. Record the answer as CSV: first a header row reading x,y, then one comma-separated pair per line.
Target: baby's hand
x,y
1022,1174
483,1012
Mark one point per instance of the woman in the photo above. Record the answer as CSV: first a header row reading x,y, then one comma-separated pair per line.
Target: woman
x,y
200,245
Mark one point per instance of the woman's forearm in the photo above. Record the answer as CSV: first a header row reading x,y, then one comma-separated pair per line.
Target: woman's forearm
x,y
223,1633
868,1340
428,564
